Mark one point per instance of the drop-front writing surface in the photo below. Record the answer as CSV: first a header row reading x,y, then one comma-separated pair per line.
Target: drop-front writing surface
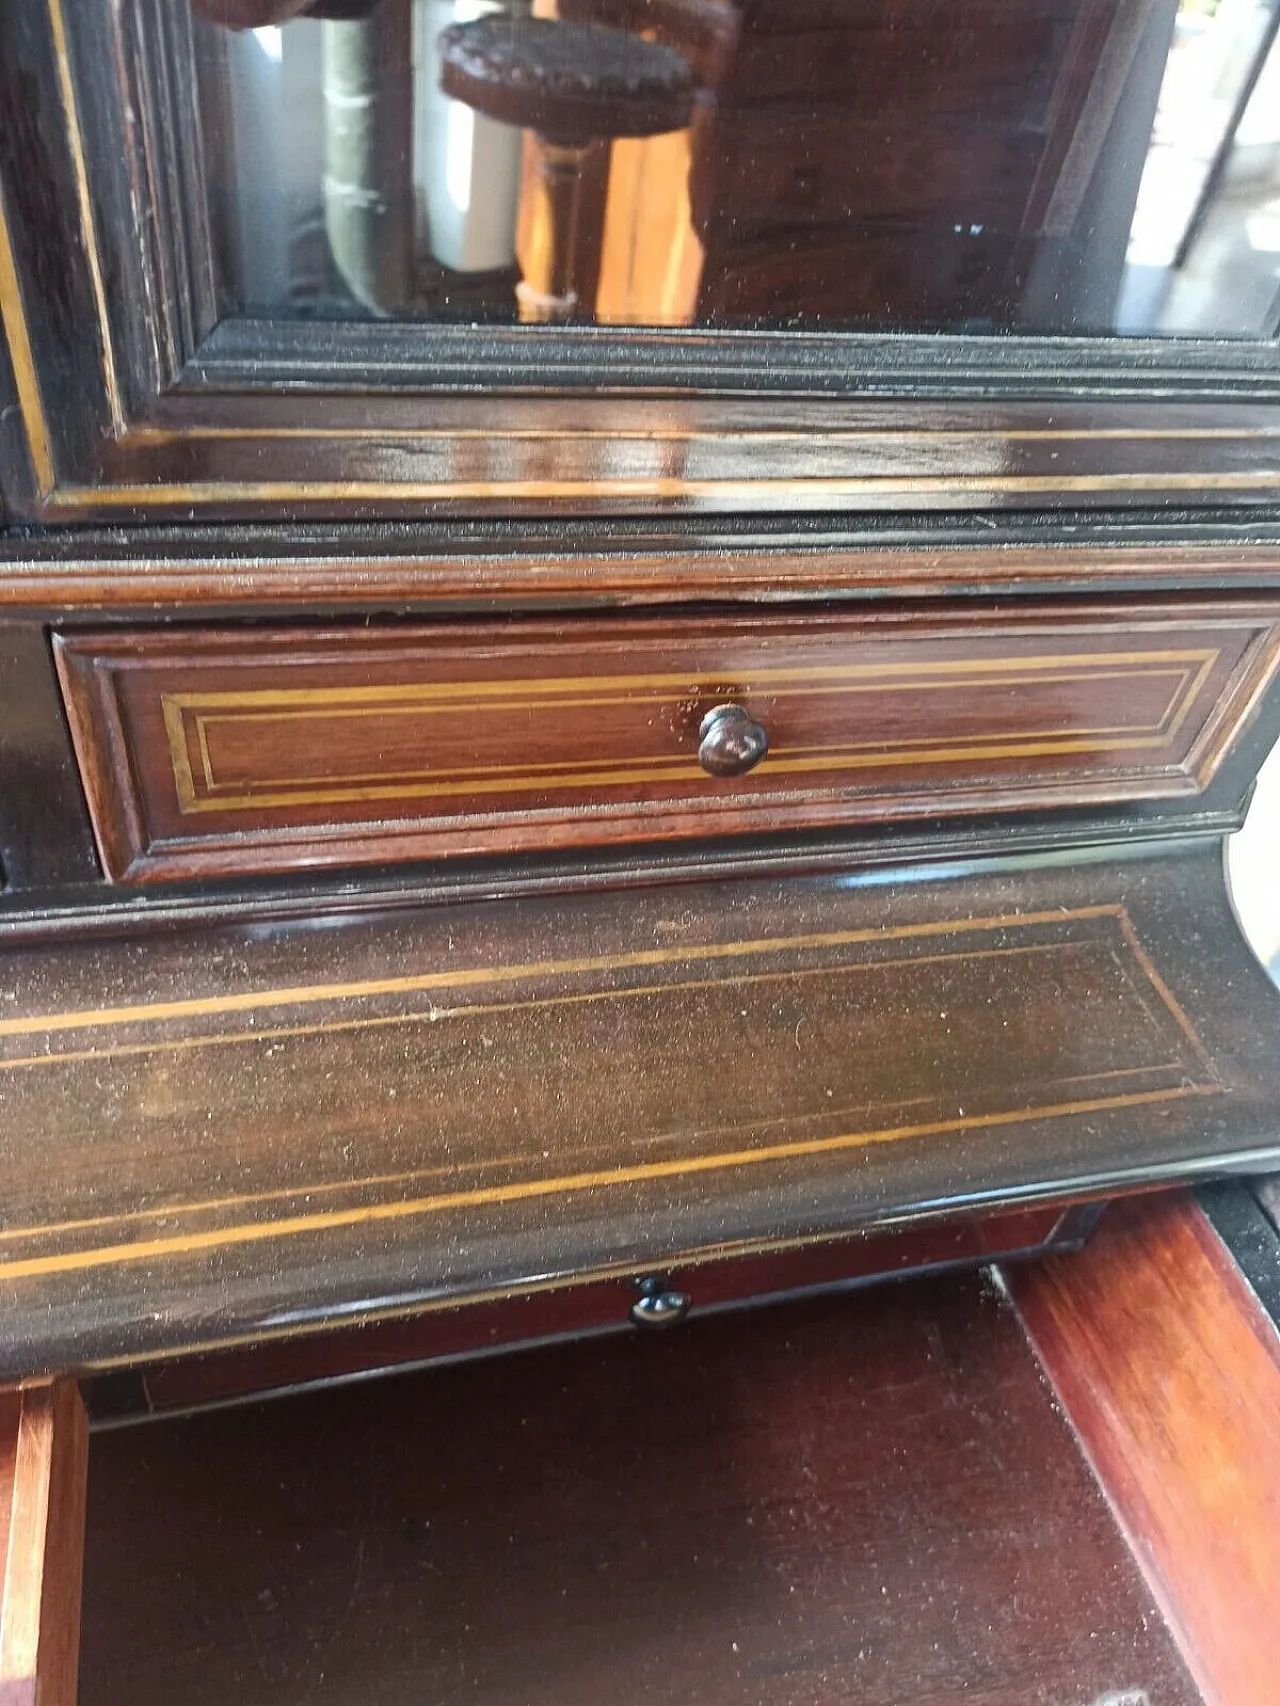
x,y
1097,166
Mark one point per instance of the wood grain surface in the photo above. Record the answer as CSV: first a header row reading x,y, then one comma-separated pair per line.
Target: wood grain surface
x,y
1169,1370
44,1444
209,752
868,1499
219,1135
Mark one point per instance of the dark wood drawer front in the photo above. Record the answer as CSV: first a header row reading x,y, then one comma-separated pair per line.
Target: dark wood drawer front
x,y
600,1306
264,750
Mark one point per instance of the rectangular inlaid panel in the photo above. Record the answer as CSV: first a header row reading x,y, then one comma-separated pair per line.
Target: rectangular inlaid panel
x,y
260,1129
210,751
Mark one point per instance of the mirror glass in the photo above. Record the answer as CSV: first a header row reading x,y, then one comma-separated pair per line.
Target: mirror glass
x,y
978,166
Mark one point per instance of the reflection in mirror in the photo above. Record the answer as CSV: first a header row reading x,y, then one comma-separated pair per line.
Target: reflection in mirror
x,y
1253,870
1085,166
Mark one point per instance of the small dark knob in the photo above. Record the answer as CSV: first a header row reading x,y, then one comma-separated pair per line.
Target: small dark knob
x,y
659,1303
731,743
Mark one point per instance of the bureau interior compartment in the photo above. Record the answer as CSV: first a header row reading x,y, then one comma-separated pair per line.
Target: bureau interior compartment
x,y
870,1498
216,751
986,1486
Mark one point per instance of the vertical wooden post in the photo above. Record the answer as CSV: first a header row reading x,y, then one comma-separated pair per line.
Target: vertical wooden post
x,y
1169,1371
44,1441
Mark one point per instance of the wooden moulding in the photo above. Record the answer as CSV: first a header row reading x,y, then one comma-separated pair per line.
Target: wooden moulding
x,y
44,1444
1169,1371
337,568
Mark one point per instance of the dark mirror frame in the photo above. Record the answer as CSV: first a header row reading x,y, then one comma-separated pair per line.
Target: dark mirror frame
x,y
125,394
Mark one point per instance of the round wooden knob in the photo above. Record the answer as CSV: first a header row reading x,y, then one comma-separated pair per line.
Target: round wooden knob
x,y
572,83
730,742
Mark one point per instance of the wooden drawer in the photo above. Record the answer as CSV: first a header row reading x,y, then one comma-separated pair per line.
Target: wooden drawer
x,y
827,1501
691,1291
218,751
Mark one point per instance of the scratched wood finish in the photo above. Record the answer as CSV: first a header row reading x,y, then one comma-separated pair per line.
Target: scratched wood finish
x,y
225,751
1169,1370
243,1132
871,1499
44,1442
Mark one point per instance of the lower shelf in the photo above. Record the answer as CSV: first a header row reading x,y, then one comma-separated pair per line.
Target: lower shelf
x,y
868,1499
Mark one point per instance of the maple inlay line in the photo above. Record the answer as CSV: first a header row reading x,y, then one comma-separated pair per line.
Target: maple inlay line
x,y
469,977
70,1261
843,754
22,361
378,1181
264,703
683,682
664,488
441,1015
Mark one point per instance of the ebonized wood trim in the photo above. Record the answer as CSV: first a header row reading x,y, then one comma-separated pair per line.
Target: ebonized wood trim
x,y
140,402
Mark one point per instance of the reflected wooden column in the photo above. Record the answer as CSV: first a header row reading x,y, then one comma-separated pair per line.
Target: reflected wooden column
x,y
577,88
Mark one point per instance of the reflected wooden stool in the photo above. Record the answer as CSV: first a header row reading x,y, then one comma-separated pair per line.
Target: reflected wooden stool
x,y
574,86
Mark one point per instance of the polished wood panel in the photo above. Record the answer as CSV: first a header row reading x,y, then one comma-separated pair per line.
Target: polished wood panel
x,y
208,752
1169,1370
242,1133
926,62
44,1442
575,1311
868,1499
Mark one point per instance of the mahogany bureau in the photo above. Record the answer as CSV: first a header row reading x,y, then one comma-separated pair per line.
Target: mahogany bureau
x,y
621,689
